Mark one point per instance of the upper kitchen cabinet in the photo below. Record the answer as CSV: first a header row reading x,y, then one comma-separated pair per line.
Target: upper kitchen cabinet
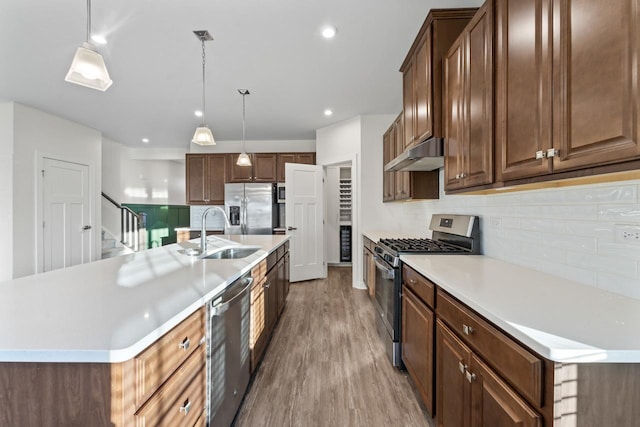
x,y
301,158
422,74
468,76
205,179
595,82
263,168
388,178
566,85
405,185
523,87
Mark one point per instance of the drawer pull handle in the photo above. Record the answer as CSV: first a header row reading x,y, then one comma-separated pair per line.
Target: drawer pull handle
x,y
412,281
462,367
266,285
468,330
471,377
186,407
184,344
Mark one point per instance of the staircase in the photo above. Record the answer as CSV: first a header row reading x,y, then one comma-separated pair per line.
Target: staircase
x,y
112,247
132,230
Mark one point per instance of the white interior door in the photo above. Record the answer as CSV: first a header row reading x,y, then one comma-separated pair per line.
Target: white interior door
x,y
303,212
67,235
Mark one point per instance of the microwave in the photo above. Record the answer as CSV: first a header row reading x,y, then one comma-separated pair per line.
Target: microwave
x,y
280,192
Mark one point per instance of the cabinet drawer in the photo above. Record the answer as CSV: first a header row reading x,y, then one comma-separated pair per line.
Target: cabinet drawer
x,y
421,286
518,366
181,400
272,259
280,251
154,365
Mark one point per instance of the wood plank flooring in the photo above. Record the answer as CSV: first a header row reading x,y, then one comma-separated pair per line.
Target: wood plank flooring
x,y
326,366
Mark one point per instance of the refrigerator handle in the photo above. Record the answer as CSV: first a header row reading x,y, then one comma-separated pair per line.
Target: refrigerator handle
x,y
245,217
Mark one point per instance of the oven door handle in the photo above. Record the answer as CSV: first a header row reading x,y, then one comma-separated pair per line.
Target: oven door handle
x,y
387,273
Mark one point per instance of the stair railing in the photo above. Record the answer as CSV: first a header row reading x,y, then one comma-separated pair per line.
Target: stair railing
x,y
132,225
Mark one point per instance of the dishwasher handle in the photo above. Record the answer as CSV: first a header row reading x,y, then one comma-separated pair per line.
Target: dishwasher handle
x,y
220,308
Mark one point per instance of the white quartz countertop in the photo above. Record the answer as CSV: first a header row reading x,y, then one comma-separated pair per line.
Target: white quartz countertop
x,y
111,310
561,320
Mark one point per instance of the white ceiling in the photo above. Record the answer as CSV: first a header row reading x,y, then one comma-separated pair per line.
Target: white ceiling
x,y
273,48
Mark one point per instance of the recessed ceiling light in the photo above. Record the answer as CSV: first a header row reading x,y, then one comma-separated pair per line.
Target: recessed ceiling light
x,y
145,140
198,113
328,112
99,39
329,32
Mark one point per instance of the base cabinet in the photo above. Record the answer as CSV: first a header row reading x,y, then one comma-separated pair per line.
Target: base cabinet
x,y
470,393
268,297
417,345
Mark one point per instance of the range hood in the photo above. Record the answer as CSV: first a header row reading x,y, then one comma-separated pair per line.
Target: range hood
x,y
426,156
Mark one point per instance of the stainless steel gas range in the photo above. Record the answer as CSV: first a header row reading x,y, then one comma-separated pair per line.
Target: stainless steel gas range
x,y
451,234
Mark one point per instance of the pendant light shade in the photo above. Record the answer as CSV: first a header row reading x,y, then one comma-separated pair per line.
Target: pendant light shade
x,y
203,135
88,68
243,158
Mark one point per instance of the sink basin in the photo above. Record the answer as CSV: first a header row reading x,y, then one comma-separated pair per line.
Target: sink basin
x,y
232,253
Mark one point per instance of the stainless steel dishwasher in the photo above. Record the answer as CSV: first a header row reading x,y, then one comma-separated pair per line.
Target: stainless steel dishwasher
x,y
228,351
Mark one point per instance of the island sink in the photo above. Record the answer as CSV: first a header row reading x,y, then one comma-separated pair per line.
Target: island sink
x,y
232,253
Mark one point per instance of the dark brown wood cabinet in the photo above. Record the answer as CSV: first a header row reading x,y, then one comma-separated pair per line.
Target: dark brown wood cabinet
x,y
262,169
468,98
397,186
268,297
388,178
523,87
470,393
422,74
205,179
453,394
418,345
596,56
566,90
305,158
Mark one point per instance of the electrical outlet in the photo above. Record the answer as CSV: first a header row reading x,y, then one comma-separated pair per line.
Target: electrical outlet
x,y
626,233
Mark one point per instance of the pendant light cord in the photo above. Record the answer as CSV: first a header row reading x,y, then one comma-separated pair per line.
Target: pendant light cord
x,y
203,80
88,20
244,144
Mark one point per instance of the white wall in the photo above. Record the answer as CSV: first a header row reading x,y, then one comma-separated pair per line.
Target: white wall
x,y
156,176
35,134
6,190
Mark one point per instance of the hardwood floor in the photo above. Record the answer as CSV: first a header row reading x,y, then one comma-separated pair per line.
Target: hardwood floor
x,y
326,365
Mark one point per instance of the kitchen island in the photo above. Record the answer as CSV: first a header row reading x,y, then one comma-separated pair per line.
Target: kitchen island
x,y
86,345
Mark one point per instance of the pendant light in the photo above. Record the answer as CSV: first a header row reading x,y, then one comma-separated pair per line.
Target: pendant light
x,y
203,135
87,68
243,158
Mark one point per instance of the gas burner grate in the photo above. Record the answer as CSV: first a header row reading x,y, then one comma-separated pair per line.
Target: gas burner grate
x,y
419,246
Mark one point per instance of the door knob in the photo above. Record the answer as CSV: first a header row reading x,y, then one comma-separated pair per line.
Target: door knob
x,y
291,228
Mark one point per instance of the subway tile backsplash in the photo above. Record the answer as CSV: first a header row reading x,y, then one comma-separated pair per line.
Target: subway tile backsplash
x,y
569,231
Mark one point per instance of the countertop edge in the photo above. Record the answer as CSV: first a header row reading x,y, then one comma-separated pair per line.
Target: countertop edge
x,y
559,354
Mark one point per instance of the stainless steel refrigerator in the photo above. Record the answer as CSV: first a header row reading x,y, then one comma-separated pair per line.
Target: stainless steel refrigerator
x,y
251,208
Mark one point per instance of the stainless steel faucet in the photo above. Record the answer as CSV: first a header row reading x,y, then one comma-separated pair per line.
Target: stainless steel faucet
x,y
203,231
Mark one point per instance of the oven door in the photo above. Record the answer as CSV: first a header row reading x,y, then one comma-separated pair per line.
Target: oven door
x,y
385,287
